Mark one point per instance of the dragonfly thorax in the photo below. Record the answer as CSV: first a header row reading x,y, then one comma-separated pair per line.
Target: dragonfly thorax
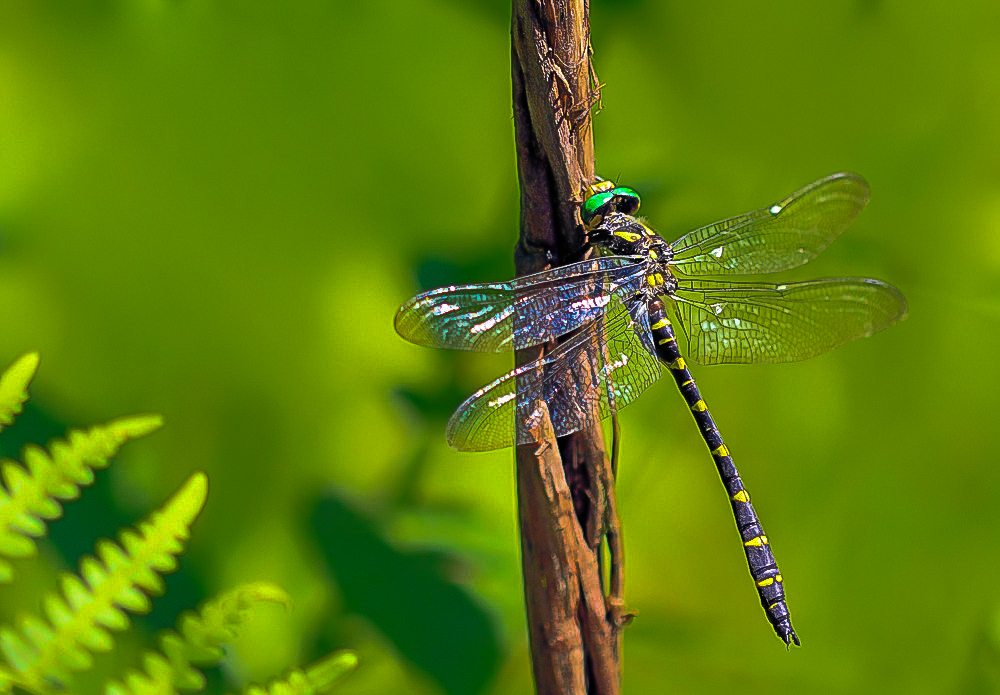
x,y
620,235
624,235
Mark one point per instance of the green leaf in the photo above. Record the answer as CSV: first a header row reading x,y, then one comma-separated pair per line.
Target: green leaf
x,y
80,619
14,387
30,493
197,641
318,678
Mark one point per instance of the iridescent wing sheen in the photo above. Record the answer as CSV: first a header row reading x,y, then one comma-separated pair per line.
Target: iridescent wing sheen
x,y
743,323
782,236
497,317
586,378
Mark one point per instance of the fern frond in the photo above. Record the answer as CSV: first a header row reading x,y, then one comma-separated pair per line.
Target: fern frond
x,y
29,494
14,387
316,679
43,654
199,641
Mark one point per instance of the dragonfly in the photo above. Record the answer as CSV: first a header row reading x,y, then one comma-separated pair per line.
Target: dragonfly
x,y
615,313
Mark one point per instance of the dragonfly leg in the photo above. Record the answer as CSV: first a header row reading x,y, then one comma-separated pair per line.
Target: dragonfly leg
x,y
616,438
760,559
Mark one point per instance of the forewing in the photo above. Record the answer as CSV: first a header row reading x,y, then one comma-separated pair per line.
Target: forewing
x,y
585,379
743,323
782,236
497,317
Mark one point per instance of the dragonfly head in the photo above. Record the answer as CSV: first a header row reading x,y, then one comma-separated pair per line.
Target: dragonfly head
x,y
604,197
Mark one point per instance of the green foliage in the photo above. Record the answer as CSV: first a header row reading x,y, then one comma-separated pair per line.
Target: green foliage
x,y
31,492
396,589
199,639
14,387
41,654
318,678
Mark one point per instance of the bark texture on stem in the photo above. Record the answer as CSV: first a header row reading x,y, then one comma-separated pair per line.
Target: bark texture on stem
x,y
563,486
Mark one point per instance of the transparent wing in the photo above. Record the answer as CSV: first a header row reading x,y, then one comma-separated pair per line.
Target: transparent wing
x,y
530,310
743,323
599,371
782,236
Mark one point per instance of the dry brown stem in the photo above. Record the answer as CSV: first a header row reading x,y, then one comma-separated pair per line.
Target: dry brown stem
x,y
565,492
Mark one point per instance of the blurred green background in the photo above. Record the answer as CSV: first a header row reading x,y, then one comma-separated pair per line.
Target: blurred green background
x,y
211,209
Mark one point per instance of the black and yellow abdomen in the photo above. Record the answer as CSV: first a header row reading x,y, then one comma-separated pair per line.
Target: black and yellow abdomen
x,y
760,559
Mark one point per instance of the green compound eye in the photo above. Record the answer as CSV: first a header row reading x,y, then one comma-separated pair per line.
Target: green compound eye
x,y
593,205
620,199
